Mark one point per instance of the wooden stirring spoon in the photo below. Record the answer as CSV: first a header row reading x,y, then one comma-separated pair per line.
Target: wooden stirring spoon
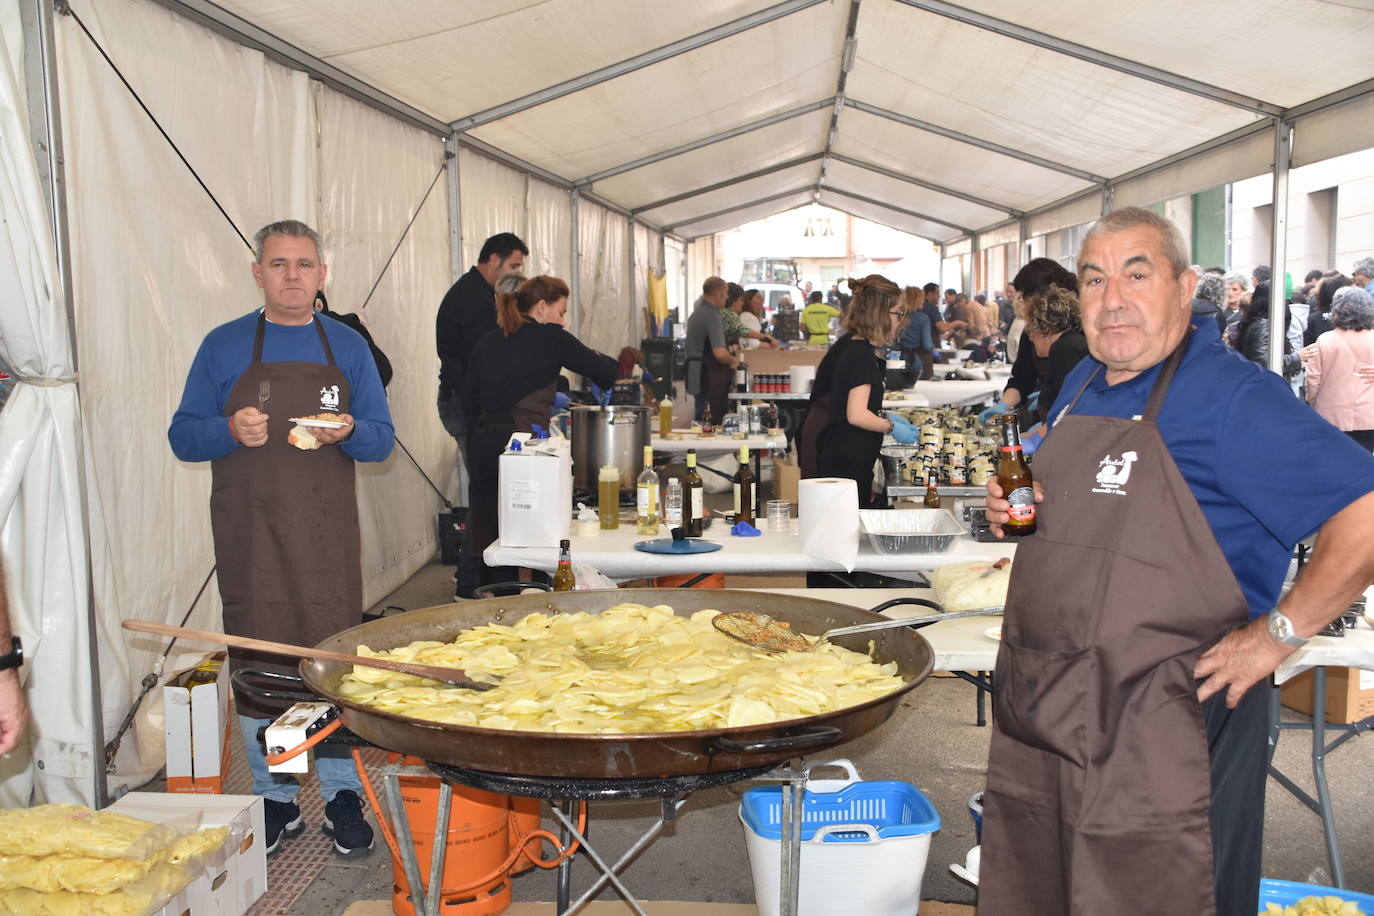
x,y
446,675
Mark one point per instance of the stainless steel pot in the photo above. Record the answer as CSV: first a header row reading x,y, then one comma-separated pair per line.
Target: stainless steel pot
x,y
586,756
609,435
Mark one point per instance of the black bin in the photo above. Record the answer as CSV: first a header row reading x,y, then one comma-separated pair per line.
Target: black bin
x,y
452,526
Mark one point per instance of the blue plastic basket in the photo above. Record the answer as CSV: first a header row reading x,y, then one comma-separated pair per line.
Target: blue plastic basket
x,y
1286,893
893,808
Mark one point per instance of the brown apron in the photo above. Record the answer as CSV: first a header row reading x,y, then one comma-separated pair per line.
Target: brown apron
x,y
1098,775
285,521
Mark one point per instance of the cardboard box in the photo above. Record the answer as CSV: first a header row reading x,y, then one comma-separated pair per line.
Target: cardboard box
x,y
1349,694
227,890
535,495
197,731
189,901
786,477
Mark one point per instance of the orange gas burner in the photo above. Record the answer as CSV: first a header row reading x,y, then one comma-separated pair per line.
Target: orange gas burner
x,y
490,838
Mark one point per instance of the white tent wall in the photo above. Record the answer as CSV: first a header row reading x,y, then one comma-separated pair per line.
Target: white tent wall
x,y
494,199
154,267
41,526
675,263
701,263
601,314
549,228
373,172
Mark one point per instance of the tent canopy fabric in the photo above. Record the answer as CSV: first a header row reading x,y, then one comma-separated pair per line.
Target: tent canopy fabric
x,y
1019,106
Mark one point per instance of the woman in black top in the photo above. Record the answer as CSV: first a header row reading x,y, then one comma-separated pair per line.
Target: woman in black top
x,y
852,384
1032,370
511,380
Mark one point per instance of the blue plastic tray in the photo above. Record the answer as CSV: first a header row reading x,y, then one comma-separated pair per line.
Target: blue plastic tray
x,y
684,546
1286,893
894,808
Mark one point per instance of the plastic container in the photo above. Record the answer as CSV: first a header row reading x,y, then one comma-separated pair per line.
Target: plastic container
x,y
909,530
1287,893
864,846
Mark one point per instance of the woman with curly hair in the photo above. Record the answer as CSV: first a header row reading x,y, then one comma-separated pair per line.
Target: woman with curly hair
x,y
1053,341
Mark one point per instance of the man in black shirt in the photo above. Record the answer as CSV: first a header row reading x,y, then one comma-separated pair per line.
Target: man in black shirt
x,y
467,312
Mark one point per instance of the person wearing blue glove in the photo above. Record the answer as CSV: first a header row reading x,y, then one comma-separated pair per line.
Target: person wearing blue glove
x,y
902,430
561,401
511,385
847,396
996,410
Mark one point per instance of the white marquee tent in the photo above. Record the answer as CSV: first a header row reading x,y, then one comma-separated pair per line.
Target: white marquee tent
x,y
615,136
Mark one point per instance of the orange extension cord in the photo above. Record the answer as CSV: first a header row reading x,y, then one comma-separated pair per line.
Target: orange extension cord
x,y
387,834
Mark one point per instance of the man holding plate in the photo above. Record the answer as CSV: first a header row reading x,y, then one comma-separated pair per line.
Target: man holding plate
x,y
282,402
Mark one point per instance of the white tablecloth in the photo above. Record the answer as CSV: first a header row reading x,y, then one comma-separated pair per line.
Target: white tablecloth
x,y
960,392
1354,650
613,553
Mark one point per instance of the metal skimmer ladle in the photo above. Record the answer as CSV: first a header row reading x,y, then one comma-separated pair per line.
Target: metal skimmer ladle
x,y
763,632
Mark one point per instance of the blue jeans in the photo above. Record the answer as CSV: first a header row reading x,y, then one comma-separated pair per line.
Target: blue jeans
x,y
334,767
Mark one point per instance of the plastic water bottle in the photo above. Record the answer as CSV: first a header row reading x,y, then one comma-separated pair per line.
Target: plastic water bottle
x,y
672,504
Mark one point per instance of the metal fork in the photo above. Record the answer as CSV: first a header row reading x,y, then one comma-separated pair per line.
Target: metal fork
x,y
264,392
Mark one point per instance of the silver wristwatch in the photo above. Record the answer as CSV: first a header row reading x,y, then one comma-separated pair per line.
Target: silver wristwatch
x,y
1281,628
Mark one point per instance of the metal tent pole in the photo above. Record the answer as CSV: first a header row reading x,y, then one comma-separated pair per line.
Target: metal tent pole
x,y
46,120
575,281
455,209
1278,328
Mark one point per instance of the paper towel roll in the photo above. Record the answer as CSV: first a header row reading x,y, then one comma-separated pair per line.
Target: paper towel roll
x,y
828,513
802,377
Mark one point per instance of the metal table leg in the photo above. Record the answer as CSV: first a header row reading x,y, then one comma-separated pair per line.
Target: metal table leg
x,y
668,813
570,830
1321,805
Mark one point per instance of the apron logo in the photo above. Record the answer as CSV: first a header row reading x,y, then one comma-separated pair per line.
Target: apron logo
x,y
1113,473
329,398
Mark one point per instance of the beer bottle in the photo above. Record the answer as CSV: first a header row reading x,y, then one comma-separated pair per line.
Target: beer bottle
x,y
932,500
646,496
563,579
744,488
1014,477
708,426
694,516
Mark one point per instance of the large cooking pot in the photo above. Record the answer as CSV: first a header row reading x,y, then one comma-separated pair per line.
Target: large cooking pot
x,y
608,435
617,756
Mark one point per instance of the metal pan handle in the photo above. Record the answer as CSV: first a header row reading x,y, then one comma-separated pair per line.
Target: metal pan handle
x,y
815,736
244,678
923,602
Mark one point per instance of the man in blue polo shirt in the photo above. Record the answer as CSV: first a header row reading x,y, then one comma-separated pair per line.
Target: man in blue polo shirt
x,y
1128,757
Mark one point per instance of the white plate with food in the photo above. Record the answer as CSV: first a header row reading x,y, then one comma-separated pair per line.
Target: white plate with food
x,y
319,422
993,633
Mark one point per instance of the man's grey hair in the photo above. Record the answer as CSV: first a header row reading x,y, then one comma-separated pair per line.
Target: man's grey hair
x,y
1211,288
1352,309
1240,280
1364,266
290,228
1171,239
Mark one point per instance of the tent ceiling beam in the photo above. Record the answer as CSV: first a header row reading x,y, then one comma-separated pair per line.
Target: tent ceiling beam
x,y
759,173
630,65
245,33
793,192
705,141
974,141
1097,57
851,51
902,210
929,186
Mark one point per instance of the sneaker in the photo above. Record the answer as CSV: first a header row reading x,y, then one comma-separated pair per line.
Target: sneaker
x,y
282,820
343,821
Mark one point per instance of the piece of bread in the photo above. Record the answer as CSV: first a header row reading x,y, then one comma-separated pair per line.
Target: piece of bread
x,y
302,439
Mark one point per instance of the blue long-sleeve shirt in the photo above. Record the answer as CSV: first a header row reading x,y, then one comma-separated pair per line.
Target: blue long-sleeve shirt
x,y
199,430
916,334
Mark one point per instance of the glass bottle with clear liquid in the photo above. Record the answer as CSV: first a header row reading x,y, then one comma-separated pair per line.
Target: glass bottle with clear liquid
x,y
646,496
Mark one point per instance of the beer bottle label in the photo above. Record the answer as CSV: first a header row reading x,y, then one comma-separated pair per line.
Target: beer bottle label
x,y
1022,501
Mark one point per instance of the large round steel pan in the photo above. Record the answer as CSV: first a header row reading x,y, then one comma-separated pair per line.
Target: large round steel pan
x,y
617,756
